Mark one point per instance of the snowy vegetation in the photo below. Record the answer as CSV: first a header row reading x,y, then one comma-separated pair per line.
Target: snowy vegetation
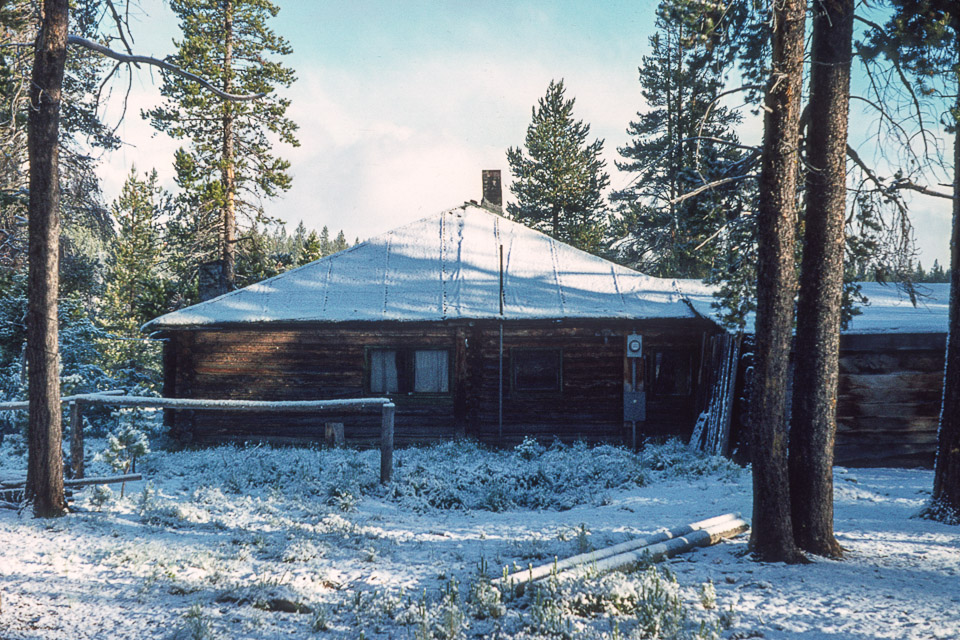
x,y
244,538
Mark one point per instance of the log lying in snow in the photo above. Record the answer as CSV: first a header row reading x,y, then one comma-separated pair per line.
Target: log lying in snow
x,y
633,552
20,483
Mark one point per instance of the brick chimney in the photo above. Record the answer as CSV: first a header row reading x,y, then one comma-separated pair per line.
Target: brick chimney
x,y
492,191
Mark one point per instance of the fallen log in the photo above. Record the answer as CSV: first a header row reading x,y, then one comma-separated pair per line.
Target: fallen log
x,y
80,482
639,551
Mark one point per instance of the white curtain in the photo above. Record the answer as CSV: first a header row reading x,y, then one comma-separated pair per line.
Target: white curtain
x,y
431,372
383,371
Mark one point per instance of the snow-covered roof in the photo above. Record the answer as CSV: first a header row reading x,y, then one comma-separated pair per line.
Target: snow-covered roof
x,y
444,267
888,308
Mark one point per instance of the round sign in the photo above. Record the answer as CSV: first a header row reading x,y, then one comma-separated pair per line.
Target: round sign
x,y
633,346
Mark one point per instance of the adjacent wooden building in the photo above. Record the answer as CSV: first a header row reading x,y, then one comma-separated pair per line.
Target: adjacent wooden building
x,y
891,377
474,325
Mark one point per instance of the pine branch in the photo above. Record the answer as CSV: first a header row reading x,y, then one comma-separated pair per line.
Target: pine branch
x,y
156,62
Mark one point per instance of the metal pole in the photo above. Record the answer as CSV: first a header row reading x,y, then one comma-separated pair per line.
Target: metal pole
x,y
500,390
633,388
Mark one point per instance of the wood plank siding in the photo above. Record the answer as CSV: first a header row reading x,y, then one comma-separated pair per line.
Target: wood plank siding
x,y
327,362
888,405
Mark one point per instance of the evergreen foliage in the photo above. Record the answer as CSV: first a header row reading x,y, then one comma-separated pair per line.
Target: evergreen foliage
x,y
559,177
682,141
230,165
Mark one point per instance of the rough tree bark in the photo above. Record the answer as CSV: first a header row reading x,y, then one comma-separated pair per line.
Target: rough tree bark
x,y
45,458
813,425
228,171
772,535
945,504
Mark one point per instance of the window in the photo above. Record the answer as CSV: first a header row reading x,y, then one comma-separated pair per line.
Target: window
x,y
536,370
409,371
671,373
383,371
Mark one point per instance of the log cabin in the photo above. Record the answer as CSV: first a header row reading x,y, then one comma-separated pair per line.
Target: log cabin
x,y
474,325
890,383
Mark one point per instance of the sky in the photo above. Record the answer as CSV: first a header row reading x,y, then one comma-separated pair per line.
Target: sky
x,y
401,105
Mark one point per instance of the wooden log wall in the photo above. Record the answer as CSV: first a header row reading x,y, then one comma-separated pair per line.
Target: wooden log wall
x,y
301,364
328,363
888,406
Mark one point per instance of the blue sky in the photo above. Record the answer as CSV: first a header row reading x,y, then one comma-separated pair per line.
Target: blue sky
x,y
401,104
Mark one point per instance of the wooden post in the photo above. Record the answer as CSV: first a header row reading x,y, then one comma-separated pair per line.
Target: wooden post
x,y
76,441
386,443
333,434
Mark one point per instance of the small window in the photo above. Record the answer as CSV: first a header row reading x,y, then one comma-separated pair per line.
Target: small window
x,y
409,371
383,371
671,373
536,370
431,371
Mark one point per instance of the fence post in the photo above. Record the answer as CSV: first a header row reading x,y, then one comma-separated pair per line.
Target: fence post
x,y
76,441
386,442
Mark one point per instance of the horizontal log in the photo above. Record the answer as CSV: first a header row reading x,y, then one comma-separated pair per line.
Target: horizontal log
x,y
23,405
81,482
907,408
865,425
892,362
906,380
589,558
630,554
893,342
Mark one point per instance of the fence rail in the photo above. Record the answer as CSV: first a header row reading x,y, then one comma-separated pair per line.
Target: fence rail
x,y
110,398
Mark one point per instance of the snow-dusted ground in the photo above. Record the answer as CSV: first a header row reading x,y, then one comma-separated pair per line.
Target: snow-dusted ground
x,y
219,537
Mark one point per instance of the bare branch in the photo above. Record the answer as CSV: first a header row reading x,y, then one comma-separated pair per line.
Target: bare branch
x,y
904,183
156,62
120,28
872,176
712,185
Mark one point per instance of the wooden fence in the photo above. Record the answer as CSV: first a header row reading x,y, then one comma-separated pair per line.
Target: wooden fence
x,y
359,405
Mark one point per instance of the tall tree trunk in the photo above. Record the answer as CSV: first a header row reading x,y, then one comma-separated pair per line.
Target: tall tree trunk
x,y
772,535
45,455
946,480
813,424
228,169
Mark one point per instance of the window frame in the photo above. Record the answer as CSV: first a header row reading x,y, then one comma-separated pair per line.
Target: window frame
x,y
406,356
542,393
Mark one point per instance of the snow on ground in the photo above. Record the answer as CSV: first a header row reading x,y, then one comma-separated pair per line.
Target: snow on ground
x,y
218,539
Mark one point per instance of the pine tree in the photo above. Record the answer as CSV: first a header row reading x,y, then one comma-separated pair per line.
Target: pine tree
x,y
817,343
771,538
339,243
229,166
311,250
558,181
137,289
325,247
683,140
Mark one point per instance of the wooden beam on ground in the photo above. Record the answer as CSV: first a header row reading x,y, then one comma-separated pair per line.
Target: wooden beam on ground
x,y
79,482
641,550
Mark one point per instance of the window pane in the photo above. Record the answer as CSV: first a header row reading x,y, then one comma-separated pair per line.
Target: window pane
x,y
536,369
431,371
383,371
673,373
